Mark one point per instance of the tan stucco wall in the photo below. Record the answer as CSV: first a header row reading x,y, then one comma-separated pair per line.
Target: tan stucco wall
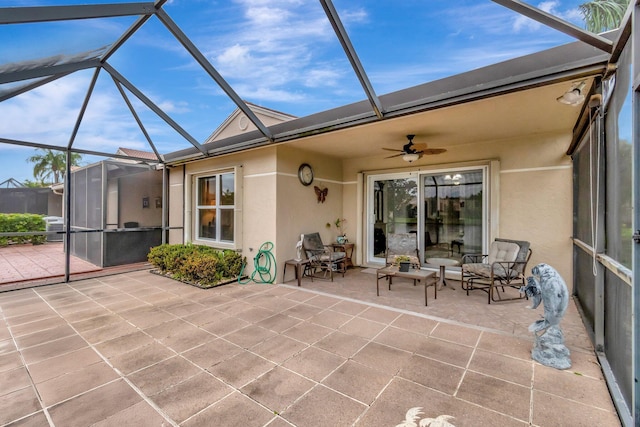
x,y
176,205
299,211
532,195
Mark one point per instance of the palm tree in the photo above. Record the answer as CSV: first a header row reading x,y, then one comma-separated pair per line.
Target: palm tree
x,y
603,15
50,164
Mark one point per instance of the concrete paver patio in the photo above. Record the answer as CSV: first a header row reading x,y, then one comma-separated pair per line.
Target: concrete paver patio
x,y
142,350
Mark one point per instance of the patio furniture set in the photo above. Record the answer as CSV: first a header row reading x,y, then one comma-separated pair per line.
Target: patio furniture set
x,y
503,267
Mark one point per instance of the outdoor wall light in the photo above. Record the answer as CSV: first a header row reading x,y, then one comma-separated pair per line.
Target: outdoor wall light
x,y
574,95
410,157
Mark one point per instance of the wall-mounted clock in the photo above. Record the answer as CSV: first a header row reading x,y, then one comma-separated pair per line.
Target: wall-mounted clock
x,y
305,174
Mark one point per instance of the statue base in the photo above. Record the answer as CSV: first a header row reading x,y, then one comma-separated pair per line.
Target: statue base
x,y
549,349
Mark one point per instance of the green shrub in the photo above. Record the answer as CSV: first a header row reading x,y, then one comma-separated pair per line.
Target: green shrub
x,y
22,223
198,264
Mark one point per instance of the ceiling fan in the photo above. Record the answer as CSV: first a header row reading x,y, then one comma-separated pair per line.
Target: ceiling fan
x,y
411,152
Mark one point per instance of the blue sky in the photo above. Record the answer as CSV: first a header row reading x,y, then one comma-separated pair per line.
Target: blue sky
x,y
281,54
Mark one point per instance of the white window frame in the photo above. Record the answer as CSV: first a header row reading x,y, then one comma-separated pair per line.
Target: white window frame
x,y
195,217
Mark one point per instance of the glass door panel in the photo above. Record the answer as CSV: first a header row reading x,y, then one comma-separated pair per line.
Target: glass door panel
x,y
394,207
453,214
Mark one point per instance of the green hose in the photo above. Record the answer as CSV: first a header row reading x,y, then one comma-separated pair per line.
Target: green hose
x,y
262,262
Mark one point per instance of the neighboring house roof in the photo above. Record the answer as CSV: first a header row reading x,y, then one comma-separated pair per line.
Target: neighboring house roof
x,y
138,154
237,122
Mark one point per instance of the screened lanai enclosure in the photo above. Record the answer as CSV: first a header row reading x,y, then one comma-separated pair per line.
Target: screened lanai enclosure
x,y
173,105
116,212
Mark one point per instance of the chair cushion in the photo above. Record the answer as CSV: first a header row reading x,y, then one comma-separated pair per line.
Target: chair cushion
x,y
523,254
328,256
503,251
484,270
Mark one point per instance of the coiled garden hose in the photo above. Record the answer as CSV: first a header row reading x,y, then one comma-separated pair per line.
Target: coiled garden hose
x,y
264,266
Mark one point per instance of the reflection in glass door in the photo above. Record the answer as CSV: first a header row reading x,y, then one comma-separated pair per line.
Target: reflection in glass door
x,y
394,208
453,213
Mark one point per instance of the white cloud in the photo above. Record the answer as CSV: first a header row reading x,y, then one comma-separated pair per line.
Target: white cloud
x,y
522,23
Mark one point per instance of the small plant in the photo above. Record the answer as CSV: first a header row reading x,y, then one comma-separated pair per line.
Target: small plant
x,y
339,223
403,261
402,258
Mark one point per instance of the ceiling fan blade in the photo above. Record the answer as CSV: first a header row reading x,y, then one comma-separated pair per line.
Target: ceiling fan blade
x,y
393,149
395,155
434,151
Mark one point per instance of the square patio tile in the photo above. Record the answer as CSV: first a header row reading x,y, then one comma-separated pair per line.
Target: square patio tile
x,y
546,406
35,326
433,374
323,407
53,348
357,381
164,374
382,358
341,344
15,379
278,323
63,364
330,319
314,363
241,369
401,339
249,336
141,357
362,328
308,332
10,361
191,396
79,381
18,404
566,384
277,389
503,367
234,410
456,334
123,344
212,353
416,324
44,336
445,351
279,348
492,393
140,414
95,405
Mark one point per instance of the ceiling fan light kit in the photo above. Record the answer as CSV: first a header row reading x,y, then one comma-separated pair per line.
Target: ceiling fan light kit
x,y
411,157
411,152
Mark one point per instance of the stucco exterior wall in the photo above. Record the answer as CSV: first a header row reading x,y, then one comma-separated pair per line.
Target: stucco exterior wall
x,y
299,211
176,205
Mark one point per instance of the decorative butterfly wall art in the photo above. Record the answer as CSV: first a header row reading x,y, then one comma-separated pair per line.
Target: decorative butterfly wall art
x,y
321,193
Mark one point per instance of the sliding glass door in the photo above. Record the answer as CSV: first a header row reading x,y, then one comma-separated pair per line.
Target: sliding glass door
x,y
447,209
